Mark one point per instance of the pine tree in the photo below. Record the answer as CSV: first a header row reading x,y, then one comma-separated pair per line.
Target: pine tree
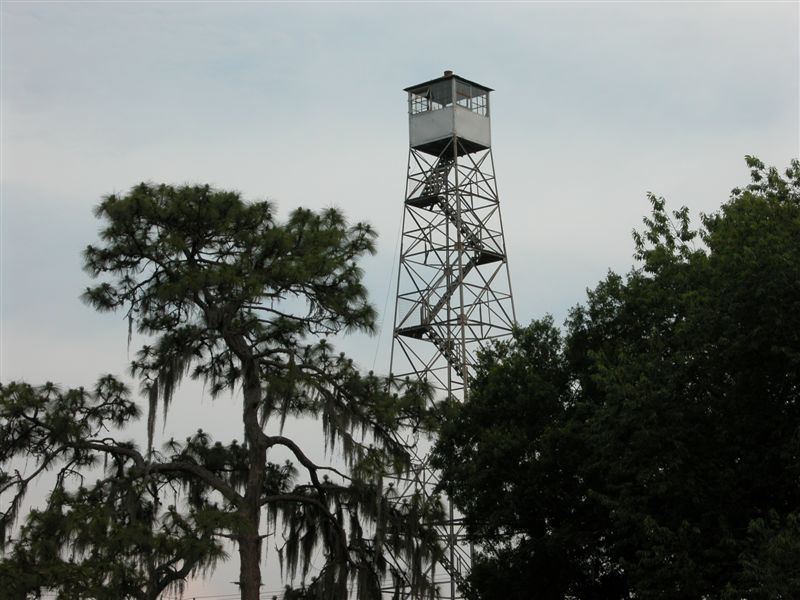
x,y
228,295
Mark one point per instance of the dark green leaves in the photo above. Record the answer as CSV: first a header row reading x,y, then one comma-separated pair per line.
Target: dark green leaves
x,y
652,452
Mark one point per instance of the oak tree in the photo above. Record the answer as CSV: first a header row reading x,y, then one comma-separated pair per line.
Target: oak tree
x,y
651,448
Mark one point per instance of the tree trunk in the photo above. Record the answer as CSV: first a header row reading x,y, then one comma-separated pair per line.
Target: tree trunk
x,y
249,538
250,565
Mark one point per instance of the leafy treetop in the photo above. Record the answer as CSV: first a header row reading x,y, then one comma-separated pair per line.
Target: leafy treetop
x,y
650,450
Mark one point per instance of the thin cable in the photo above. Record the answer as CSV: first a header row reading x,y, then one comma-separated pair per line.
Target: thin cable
x,y
388,293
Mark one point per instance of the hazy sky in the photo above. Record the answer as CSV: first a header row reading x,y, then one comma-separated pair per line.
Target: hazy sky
x,y
595,105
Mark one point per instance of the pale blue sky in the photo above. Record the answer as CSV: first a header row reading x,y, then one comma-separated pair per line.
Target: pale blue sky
x,y
596,104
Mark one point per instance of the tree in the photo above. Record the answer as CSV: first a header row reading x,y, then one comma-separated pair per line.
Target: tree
x,y
230,296
105,540
651,449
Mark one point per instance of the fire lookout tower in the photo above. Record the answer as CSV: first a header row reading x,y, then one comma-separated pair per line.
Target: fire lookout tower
x,y
453,286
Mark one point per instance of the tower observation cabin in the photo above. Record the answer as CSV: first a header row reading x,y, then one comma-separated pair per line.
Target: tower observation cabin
x,y
446,107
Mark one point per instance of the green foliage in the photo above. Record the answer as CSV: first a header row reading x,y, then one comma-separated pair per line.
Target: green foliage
x,y
229,295
771,566
110,539
652,450
196,268
50,426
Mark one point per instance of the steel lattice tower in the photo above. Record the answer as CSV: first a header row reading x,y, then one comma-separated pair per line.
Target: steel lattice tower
x,y
453,287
